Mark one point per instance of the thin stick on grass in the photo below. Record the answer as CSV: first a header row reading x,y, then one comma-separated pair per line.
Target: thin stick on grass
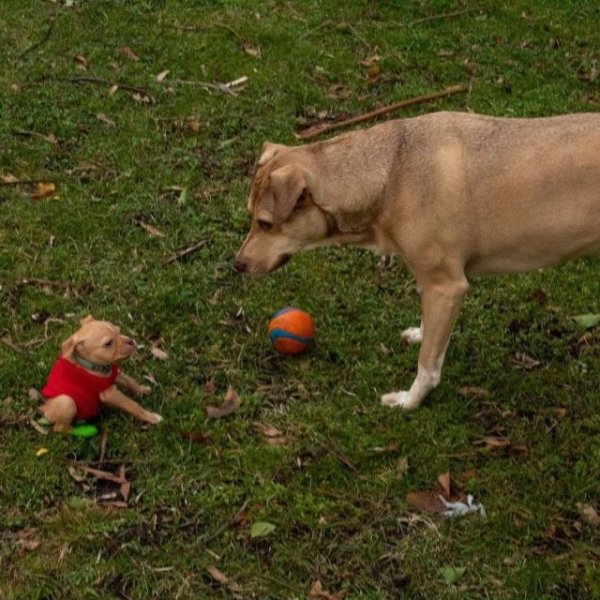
x,y
12,346
448,15
41,42
226,525
321,128
119,86
185,252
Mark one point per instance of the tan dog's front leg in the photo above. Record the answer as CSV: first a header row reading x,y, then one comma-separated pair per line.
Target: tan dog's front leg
x,y
129,383
114,397
441,303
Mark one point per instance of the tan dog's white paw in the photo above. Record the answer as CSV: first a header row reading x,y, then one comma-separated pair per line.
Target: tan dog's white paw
x,y
401,399
412,335
144,390
156,418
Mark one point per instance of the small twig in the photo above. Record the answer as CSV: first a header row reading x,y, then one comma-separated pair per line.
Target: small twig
x,y
210,192
448,15
219,87
44,39
26,181
119,86
10,344
44,282
226,525
317,130
307,33
185,252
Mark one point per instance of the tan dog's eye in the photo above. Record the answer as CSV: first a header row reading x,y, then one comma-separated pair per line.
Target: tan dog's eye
x,y
265,225
108,344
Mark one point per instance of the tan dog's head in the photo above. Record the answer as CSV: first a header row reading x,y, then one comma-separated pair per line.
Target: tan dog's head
x,y
285,218
100,342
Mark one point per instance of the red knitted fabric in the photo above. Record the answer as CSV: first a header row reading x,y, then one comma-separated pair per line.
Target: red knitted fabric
x,y
84,387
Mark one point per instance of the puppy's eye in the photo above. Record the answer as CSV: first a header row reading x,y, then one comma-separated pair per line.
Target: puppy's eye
x,y
265,225
108,344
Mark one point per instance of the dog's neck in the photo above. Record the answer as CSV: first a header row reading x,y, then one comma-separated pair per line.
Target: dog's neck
x,y
92,366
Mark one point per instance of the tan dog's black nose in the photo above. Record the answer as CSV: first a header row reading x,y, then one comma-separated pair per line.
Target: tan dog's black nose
x,y
241,266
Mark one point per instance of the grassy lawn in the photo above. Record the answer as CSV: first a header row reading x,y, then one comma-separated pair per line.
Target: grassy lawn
x,y
177,157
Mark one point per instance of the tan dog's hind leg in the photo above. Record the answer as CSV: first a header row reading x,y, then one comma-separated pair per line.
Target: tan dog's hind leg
x,y
113,397
60,411
441,304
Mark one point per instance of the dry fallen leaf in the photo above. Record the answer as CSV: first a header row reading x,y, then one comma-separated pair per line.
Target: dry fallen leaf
x,y
317,592
128,53
43,190
157,351
232,586
428,501
267,430
444,483
231,403
150,230
192,125
161,76
472,391
104,118
81,62
252,51
588,514
525,362
491,442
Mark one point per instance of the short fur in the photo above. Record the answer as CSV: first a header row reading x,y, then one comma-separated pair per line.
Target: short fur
x,y
103,344
453,194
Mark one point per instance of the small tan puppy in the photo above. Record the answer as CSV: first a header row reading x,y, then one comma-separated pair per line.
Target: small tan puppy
x,y
86,374
453,194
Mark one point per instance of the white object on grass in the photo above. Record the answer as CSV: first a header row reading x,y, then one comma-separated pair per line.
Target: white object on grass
x,y
459,509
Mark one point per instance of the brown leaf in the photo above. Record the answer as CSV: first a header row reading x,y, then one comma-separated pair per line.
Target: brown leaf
x,y
192,125
161,76
43,190
491,442
231,403
81,62
196,436
317,592
127,52
29,545
105,119
559,413
157,351
267,430
428,502
252,51
525,362
76,475
150,230
588,514
115,503
34,395
125,489
221,578
472,391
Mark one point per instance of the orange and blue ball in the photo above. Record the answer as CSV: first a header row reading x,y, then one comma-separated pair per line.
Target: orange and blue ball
x,y
291,331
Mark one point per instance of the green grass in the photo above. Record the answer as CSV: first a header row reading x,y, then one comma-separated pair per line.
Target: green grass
x,y
337,503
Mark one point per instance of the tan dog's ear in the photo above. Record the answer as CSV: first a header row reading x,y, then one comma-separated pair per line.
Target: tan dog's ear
x,y
87,319
268,151
67,348
288,186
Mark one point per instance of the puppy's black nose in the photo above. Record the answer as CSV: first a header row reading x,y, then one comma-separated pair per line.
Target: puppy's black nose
x,y
241,266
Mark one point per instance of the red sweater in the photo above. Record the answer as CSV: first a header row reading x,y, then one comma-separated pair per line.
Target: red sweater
x,y
81,385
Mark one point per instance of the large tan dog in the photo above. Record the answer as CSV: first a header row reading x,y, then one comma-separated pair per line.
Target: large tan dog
x,y
453,194
86,376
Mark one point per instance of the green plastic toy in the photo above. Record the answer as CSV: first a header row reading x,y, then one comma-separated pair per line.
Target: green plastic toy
x,y
84,430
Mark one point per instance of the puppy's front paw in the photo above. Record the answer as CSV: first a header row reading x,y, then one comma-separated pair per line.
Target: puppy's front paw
x,y
401,399
155,418
144,390
412,335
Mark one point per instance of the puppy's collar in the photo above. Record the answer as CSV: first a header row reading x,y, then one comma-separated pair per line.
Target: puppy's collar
x,y
88,364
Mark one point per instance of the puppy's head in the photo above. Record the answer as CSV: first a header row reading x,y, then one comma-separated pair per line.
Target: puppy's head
x,y
285,218
100,342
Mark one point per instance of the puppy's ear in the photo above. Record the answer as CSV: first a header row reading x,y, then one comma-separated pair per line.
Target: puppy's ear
x,y
87,319
68,347
289,188
268,151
